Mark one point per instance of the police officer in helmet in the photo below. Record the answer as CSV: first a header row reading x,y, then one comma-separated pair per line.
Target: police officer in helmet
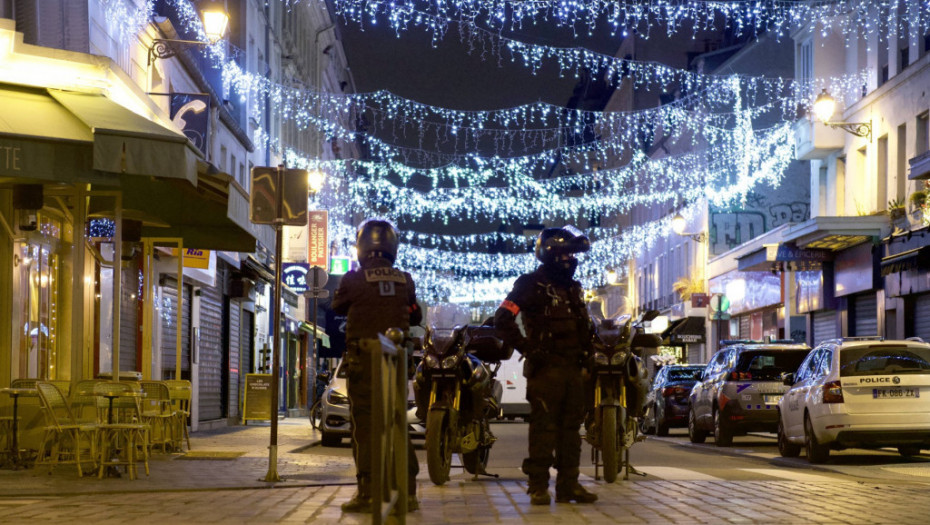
x,y
557,340
374,298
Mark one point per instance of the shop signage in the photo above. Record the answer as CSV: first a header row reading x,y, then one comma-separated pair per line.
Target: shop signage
x,y
791,253
194,258
339,265
257,403
699,300
189,112
318,254
294,276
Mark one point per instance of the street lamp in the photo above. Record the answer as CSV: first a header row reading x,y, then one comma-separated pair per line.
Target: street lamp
x,y
315,179
612,276
215,18
825,107
678,226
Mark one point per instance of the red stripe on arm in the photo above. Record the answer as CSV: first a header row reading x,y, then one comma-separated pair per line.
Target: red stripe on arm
x,y
511,307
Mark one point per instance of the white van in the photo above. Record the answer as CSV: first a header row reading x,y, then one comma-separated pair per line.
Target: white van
x,y
513,400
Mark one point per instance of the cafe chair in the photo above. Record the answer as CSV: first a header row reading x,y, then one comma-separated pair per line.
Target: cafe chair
x,y
123,438
159,414
65,441
179,390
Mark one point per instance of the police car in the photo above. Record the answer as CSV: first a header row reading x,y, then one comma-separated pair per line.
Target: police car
x,y
858,392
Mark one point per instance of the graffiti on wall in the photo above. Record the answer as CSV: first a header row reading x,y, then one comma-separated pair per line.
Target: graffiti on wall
x,y
757,215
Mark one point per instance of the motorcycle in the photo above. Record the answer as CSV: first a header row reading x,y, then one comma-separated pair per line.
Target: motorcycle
x,y
456,390
618,383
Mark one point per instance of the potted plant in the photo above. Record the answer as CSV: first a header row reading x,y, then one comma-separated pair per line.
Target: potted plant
x,y
920,202
896,209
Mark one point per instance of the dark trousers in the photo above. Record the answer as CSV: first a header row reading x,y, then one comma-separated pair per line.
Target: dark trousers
x,y
360,400
556,396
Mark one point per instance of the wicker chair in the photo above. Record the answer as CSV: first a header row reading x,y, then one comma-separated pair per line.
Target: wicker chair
x,y
65,439
124,438
159,414
180,391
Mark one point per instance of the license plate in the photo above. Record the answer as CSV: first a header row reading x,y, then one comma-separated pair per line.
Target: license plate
x,y
895,393
771,400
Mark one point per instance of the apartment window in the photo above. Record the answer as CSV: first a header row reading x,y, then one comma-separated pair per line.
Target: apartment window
x,y
925,44
881,174
901,175
231,169
840,187
922,134
805,61
904,57
904,37
221,162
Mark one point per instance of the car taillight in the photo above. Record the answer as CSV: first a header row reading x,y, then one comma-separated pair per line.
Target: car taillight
x,y
741,376
832,392
673,391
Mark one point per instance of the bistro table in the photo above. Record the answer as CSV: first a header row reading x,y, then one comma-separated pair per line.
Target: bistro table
x,y
15,461
111,470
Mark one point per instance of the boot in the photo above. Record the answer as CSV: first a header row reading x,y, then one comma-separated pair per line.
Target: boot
x,y
539,495
575,493
361,501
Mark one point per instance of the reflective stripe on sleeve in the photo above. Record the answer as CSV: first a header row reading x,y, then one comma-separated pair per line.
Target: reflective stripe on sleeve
x,y
511,307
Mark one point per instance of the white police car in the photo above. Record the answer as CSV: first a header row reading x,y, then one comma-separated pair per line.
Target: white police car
x,y
858,392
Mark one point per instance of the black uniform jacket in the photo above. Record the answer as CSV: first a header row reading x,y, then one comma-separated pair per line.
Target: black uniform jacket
x,y
376,297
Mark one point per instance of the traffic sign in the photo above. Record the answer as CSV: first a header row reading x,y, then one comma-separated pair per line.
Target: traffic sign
x,y
317,277
318,294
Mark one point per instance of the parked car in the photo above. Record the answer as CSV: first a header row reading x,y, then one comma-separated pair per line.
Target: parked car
x,y
858,392
740,389
667,400
335,422
513,399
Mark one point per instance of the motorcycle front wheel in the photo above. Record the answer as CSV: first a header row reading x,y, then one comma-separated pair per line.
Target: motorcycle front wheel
x,y
610,444
476,461
438,446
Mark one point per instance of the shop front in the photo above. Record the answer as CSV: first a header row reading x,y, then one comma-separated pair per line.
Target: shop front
x,y
85,186
905,271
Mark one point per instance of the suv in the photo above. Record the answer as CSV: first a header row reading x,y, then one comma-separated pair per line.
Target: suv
x,y
858,392
740,389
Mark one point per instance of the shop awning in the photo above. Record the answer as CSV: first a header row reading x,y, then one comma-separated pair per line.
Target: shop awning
x,y
909,260
67,137
838,233
125,142
213,215
320,333
687,330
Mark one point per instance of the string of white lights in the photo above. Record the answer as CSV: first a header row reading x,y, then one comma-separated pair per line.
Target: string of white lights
x,y
742,17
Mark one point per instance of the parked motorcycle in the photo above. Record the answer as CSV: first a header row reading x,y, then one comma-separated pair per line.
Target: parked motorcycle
x,y
456,390
618,385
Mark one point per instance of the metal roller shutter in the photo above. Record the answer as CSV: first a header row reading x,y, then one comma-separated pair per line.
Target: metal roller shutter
x,y
865,316
246,337
823,324
169,312
745,327
129,318
211,354
922,317
235,350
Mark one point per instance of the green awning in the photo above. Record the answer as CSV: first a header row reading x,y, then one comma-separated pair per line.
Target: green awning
x,y
320,333
125,142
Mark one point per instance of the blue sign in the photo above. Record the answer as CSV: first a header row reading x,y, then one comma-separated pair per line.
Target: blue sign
x,y
294,276
191,113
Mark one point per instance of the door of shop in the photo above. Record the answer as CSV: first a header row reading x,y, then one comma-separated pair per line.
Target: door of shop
x,y
168,319
922,317
864,315
211,354
823,326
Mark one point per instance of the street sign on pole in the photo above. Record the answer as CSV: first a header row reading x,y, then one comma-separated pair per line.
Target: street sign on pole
x,y
279,197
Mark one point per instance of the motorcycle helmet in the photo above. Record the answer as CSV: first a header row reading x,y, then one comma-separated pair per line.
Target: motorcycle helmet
x,y
552,243
377,238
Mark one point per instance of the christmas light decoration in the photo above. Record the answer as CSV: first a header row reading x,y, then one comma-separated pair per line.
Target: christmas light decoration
x,y
741,17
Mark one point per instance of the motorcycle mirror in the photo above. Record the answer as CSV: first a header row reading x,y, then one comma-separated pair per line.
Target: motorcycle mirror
x,y
649,315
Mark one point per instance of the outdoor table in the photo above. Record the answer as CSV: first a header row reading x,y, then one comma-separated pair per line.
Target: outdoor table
x,y
112,471
15,460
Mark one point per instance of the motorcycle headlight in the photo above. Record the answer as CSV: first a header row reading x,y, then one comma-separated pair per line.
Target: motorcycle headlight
x,y
335,398
600,359
431,361
450,361
617,359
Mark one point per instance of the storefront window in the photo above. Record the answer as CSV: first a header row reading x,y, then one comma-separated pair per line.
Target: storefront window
x,y
38,290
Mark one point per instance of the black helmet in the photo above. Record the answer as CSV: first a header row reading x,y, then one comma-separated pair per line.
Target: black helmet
x,y
376,238
553,242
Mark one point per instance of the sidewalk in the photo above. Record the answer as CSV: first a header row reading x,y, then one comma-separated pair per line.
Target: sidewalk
x,y
232,491
245,468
